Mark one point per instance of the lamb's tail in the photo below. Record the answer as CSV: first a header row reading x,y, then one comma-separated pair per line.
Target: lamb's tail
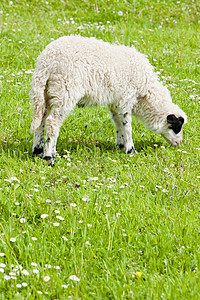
x,y
39,81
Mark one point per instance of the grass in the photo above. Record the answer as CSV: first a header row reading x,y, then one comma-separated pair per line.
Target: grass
x,y
128,225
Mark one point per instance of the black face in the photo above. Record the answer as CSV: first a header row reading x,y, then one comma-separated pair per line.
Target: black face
x,y
175,123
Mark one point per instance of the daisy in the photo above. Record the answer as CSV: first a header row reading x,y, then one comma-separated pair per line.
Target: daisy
x,y
24,284
74,277
85,198
60,218
44,216
13,240
22,220
46,278
25,272
56,224
2,265
12,274
48,266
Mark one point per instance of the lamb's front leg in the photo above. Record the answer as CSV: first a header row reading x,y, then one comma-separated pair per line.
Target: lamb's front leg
x,y
126,123
123,131
120,140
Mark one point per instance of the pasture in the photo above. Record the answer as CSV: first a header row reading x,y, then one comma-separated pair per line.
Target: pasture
x,y
101,224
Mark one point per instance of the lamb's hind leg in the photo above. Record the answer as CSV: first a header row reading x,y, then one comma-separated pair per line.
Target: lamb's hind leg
x,y
53,124
38,139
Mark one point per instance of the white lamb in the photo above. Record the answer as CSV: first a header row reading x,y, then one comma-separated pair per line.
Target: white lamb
x,y
77,70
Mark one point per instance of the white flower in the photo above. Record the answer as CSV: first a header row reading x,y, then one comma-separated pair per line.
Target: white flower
x,y
2,254
18,285
64,238
1,270
34,238
13,240
22,220
56,224
33,264
73,204
48,201
12,273
15,179
57,211
112,179
85,198
44,216
25,272
24,284
36,271
89,225
74,277
39,292
2,265
46,278
64,286
57,267
48,266
60,218
158,186
6,277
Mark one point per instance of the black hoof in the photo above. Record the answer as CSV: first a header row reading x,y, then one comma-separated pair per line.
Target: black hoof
x,y
130,150
121,146
37,151
50,160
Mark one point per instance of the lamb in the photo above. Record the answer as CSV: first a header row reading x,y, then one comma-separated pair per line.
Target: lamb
x,y
85,71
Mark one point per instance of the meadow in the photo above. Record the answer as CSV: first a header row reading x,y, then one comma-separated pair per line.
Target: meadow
x,y
100,224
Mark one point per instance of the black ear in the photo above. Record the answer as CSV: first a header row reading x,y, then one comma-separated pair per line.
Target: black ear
x,y
171,119
175,123
181,120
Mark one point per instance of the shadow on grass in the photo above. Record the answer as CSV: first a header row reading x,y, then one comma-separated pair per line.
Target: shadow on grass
x,y
22,148
74,146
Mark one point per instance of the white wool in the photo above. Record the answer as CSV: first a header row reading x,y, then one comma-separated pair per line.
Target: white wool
x,y
76,69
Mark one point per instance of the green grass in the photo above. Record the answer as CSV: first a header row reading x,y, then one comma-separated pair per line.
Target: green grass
x,y
143,210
